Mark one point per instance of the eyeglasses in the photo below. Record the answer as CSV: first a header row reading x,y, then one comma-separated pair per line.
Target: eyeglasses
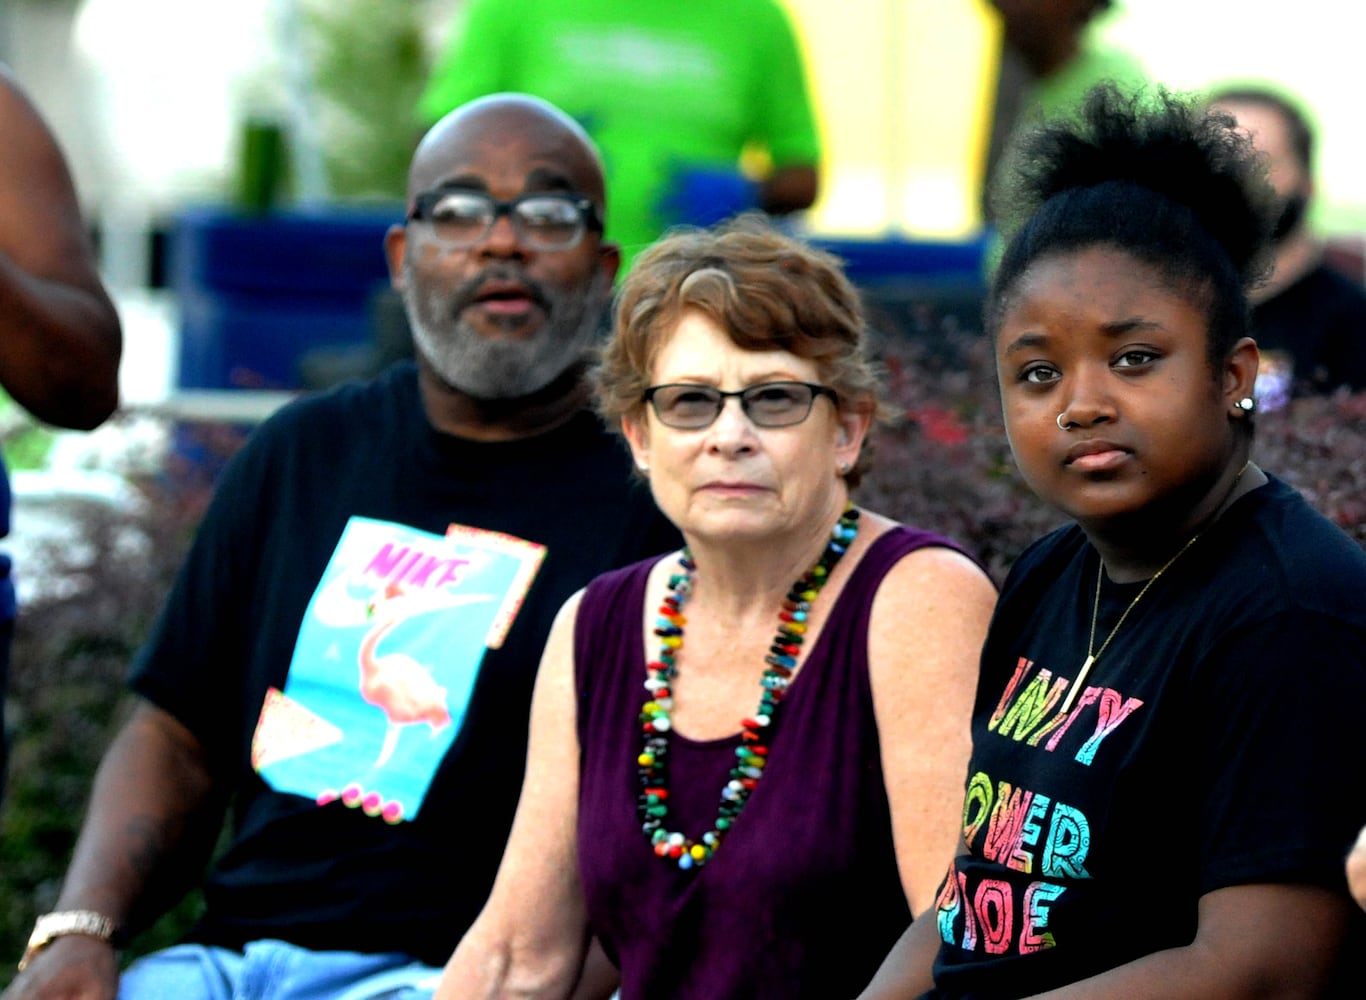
x,y
769,404
460,218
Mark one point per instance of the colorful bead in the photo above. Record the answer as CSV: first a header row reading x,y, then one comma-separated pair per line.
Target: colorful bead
x,y
752,753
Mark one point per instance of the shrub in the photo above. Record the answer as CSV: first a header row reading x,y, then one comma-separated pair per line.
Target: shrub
x,y
72,646
942,463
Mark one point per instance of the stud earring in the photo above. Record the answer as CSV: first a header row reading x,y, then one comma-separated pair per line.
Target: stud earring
x,y
844,468
1247,404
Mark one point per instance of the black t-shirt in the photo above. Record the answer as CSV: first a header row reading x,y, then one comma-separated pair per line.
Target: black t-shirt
x,y
281,651
1316,328
1216,742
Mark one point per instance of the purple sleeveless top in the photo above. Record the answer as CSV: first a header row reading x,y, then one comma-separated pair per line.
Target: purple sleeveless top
x,y
803,899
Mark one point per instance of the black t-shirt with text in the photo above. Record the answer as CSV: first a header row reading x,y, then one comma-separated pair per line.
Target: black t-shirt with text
x,y
325,640
1215,742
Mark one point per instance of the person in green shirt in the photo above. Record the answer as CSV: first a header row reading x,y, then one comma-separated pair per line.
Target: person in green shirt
x,y
700,112
1051,56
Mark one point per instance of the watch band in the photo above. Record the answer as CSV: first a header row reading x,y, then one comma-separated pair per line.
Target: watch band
x,y
51,926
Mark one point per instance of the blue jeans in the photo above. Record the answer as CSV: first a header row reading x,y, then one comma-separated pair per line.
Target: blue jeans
x,y
274,970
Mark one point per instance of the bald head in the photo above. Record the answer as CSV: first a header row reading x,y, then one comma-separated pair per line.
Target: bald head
x,y
503,317
517,129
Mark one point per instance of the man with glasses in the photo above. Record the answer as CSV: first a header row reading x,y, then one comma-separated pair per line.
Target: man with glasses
x,y
347,656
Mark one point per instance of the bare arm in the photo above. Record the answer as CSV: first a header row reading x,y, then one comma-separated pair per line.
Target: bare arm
x,y
60,338
923,690
1252,941
928,623
789,189
530,938
149,826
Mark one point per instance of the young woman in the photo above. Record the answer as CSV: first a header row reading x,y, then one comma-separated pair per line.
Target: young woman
x,y
1166,738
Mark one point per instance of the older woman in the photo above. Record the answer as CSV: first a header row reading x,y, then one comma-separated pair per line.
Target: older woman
x,y
746,758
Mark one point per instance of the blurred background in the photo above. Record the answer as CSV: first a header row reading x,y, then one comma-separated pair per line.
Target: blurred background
x,y
170,109
152,97
239,161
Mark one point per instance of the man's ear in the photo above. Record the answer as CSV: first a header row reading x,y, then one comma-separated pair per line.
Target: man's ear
x,y
609,263
395,246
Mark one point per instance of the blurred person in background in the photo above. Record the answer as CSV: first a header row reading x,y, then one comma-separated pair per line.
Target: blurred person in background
x,y
676,97
1309,319
60,336
1051,55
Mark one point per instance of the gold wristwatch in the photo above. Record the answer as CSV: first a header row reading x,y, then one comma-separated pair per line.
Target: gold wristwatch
x,y
51,926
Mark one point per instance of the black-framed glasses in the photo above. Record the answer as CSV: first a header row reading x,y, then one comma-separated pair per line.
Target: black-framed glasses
x,y
546,220
691,407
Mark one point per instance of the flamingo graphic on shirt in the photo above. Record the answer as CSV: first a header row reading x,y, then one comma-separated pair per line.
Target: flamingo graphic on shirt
x,y
395,683
386,662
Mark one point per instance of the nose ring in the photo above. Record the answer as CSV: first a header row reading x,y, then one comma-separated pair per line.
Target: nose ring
x,y
1061,425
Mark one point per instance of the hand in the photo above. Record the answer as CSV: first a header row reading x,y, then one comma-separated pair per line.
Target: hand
x,y
74,967
1356,870
700,196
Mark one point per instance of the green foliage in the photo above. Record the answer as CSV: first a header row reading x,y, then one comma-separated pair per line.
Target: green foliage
x,y
24,441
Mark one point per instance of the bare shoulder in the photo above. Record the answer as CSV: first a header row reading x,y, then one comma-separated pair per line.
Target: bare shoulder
x,y
569,611
558,655
933,606
932,572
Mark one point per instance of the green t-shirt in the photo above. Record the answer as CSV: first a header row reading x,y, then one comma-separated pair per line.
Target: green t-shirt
x,y
656,85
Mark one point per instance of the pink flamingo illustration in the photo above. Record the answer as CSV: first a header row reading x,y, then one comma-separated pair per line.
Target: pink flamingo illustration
x,y
397,684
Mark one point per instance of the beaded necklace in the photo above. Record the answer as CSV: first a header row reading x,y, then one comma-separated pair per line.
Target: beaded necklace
x,y
756,731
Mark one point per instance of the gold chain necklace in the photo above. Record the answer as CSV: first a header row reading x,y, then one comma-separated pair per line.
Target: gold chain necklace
x,y
1093,654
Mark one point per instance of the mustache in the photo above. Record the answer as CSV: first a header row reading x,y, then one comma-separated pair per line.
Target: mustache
x,y
464,294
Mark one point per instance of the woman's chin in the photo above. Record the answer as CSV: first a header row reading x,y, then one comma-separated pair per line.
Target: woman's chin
x,y
733,523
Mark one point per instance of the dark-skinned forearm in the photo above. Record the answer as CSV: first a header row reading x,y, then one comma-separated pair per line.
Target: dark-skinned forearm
x,y
60,336
59,355
150,823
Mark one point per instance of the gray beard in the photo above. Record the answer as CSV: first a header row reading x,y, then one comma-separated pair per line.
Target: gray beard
x,y
501,369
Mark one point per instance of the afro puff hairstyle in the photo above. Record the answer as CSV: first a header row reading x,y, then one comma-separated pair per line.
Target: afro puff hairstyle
x,y
1151,174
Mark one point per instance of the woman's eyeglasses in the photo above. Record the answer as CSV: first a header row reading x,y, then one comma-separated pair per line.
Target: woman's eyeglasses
x,y
459,218
769,404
